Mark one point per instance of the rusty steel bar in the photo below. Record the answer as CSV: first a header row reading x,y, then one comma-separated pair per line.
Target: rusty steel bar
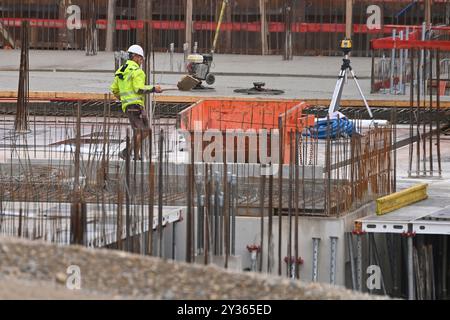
x,y
438,107
280,190
151,193
160,194
262,197
128,241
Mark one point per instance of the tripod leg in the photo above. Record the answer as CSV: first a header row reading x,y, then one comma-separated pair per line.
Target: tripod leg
x,y
336,99
361,93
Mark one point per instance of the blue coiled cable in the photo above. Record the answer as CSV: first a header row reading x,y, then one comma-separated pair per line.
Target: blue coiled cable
x,y
332,128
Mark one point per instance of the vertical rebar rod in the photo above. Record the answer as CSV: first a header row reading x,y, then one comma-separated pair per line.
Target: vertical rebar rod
x,y
372,72
418,118
280,190
207,224
119,221
226,211
328,169
422,62
221,224
296,196
411,114
160,193
438,107
291,262
127,194
142,235
262,189
392,71
430,114
216,212
401,56
270,221
424,119
233,218
21,119
151,192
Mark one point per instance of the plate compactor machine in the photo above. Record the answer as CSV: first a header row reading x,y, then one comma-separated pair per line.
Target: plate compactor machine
x,y
199,65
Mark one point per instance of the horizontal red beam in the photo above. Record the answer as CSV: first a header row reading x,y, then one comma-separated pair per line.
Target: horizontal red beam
x,y
409,44
226,26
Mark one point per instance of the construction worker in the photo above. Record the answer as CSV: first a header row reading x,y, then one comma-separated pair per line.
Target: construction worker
x,y
129,86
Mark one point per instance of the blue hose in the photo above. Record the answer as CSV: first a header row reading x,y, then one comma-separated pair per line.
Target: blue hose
x,y
332,128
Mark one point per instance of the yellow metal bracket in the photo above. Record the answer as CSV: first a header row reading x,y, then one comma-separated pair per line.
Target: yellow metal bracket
x,y
401,199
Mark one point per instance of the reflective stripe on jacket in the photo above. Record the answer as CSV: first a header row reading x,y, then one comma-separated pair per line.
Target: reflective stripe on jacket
x,y
128,80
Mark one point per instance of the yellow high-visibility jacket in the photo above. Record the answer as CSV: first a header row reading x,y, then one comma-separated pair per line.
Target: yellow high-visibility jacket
x,y
129,84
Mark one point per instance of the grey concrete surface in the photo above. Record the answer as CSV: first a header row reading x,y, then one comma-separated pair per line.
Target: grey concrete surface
x,y
223,63
301,78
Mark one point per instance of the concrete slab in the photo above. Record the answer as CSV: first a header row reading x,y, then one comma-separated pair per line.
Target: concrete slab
x,y
301,78
54,219
223,63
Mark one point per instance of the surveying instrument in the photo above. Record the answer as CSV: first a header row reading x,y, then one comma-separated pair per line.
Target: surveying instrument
x,y
346,47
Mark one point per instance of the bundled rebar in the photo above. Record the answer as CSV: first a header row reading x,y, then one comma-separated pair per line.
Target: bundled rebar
x,y
91,31
21,120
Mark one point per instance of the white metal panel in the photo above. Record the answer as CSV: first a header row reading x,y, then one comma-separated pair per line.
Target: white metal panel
x,y
374,226
431,227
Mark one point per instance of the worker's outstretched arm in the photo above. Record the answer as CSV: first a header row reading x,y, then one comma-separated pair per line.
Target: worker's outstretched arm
x,y
139,83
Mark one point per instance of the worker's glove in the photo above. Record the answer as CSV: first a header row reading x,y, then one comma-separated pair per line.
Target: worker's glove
x,y
156,89
145,91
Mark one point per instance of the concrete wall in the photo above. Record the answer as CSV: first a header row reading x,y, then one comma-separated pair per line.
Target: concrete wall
x,y
248,232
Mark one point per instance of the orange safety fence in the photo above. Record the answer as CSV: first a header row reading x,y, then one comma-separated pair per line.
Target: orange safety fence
x,y
240,114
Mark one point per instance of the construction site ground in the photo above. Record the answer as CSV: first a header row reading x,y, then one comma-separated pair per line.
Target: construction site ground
x,y
111,274
300,78
37,270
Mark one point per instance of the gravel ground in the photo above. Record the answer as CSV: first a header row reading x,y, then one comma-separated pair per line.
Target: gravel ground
x,y
14,289
37,270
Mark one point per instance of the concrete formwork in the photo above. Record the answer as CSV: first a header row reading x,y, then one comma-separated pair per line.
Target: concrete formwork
x,y
309,227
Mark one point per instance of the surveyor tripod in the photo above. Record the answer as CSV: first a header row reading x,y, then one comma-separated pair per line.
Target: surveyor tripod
x,y
342,78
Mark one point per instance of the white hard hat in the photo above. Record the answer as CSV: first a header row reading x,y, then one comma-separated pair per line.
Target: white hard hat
x,y
136,49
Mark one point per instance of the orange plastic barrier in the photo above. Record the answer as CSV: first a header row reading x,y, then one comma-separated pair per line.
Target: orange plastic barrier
x,y
240,114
